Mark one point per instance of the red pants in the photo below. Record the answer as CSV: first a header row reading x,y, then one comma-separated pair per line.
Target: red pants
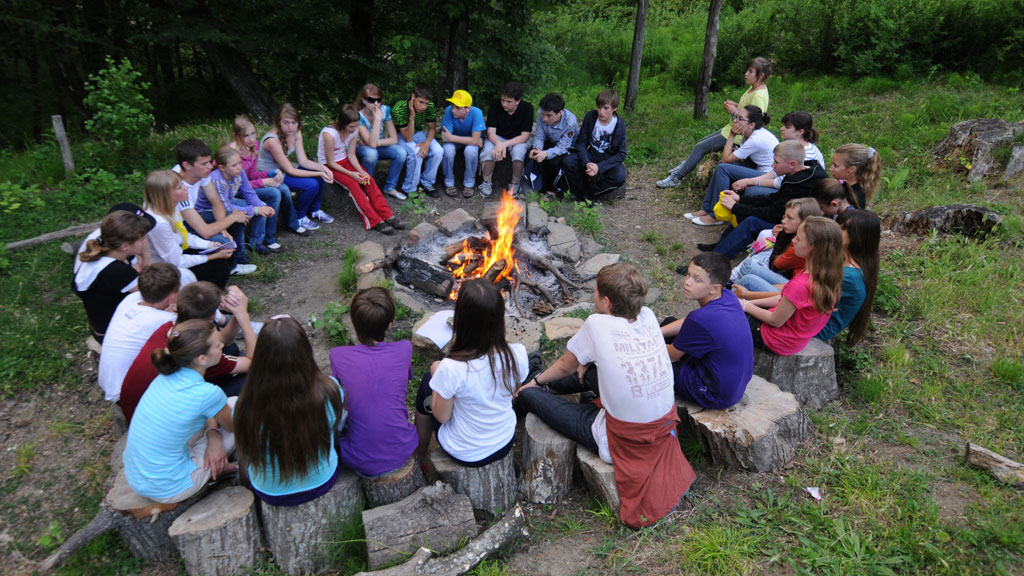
x,y
370,203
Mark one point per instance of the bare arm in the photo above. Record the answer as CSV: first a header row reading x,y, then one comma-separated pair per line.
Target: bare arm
x,y
208,230
277,151
471,140
783,311
392,137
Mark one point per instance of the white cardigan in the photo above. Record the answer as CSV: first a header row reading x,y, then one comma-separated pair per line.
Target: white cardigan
x,y
165,242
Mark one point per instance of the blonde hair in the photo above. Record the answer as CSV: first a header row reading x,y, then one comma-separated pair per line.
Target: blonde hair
x,y
238,127
807,207
868,164
225,154
825,262
159,192
623,286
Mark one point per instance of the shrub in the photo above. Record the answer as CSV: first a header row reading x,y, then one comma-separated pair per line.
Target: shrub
x,y
122,115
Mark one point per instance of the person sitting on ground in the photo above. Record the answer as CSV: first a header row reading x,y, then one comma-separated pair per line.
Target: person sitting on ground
x,y
108,263
834,197
765,273
230,180
336,149
197,301
170,242
596,164
861,234
461,127
379,437
467,397
757,73
861,166
757,149
378,139
305,177
786,322
711,349
416,120
172,454
553,137
287,418
633,424
796,125
134,320
509,122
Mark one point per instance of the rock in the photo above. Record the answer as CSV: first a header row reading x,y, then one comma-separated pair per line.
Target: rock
x,y
652,296
563,242
600,477
490,488
536,219
371,257
455,221
562,328
372,278
409,301
952,219
760,433
976,139
219,535
588,307
346,320
809,374
389,488
421,232
589,246
591,267
547,463
526,332
1016,164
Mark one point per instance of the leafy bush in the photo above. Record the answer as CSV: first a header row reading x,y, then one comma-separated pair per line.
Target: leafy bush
x,y
122,115
331,322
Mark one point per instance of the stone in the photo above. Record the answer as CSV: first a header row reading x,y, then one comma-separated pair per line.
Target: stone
x,y
409,301
760,433
976,139
523,331
455,221
422,232
490,488
600,477
547,463
964,219
372,278
589,246
652,296
1016,164
219,535
809,374
536,219
394,486
371,257
562,328
584,306
563,242
591,267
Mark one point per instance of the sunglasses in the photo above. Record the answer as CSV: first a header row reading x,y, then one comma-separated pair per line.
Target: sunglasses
x,y
372,100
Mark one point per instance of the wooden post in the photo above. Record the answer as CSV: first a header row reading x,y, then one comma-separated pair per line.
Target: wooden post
x,y
639,27
65,145
707,65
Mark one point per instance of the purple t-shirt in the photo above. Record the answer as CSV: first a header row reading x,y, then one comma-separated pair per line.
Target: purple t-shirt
x,y
719,359
379,436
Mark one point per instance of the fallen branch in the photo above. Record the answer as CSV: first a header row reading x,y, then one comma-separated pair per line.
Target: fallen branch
x,y
1000,467
515,297
537,288
69,231
544,264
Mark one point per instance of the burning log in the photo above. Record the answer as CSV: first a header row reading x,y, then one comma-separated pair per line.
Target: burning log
x,y
417,273
464,264
494,270
469,243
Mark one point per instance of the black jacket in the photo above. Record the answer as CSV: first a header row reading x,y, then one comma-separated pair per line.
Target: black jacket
x,y
772,207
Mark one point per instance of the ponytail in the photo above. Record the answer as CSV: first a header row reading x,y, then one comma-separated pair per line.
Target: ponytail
x,y
758,118
828,190
868,163
186,342
801,120
117,229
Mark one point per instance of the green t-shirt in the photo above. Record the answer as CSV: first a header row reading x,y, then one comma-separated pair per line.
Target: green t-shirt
x,y
400,115
751,97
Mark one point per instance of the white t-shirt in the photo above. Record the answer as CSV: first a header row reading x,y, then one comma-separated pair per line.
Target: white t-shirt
x,y
633,369
760,148
482,418
193,190
340,146
601,138
130,328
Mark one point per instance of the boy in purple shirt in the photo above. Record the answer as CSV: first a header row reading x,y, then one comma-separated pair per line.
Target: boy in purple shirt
x,y
379,437
712,351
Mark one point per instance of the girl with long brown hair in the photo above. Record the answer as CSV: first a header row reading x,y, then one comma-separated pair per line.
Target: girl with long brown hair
x,y
861,234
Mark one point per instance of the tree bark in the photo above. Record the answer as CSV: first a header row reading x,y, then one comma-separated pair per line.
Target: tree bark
x,y
707,65
999,467
640,26
456,67
219,535
237,70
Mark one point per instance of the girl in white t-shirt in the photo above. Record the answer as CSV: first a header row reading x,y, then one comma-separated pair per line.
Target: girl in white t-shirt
x,y
467,396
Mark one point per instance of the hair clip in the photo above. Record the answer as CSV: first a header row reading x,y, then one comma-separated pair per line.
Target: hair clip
x,y
841,181
871,152
280,316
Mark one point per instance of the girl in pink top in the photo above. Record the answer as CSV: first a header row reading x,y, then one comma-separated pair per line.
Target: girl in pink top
x,y
784,324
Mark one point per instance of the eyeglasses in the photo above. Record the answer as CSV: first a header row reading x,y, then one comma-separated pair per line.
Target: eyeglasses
x,y
739,118
372,100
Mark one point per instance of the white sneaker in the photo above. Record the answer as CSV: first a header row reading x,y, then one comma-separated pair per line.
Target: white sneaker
x,y
669,182
308,224
322,216
243,269
395,194
485,189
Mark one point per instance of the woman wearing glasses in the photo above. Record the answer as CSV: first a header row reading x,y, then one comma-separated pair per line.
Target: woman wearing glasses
x,y
378,140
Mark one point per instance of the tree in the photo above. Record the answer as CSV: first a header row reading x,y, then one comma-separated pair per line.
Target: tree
x,y
640,26
707,65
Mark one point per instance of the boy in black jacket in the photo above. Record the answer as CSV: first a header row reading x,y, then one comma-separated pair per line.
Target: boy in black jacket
x,y
596,165
761,212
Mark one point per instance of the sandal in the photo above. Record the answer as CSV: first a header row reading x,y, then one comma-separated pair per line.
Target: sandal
x,y
451,191
468,192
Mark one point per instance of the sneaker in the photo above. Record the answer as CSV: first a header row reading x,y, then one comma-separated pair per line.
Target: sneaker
x,y
384,228
517,190
396,194
485,189
395,223
322,216
243,269
300,231
670,182
308,224
430,190
707,247
273,248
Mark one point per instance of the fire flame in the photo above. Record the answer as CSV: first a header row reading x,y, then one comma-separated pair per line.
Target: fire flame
x,y
498,249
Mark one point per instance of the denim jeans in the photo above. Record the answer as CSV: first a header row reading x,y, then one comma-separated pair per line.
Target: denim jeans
x,y
725,174
425,169
280,199
399,157
710,143
762,280
735,240
311,194
257,226
470,153
236,232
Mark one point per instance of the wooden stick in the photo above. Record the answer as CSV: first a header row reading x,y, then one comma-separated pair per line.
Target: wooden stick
x,y
65,145
543,264
69,231
1000,467
515,297
537,288
496,269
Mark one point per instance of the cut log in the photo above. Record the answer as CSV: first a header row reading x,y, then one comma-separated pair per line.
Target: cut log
x,y
809,374
600,477
394,486
417,273
297,535
219,535
502,533
490,488
999,467
977,139
760,433
547,463
471,243
494,270
42,238
435,515
964,219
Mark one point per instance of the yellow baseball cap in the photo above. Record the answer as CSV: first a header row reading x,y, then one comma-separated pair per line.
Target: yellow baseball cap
x,y
461,98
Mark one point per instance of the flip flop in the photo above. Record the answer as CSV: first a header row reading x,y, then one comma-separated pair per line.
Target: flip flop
x,y
700,222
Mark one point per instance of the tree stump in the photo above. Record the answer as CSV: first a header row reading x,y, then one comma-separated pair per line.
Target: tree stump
x,y
434,516
490,488
394,486
964,219
1016,164
809,374
547,463
219,535
976,140
760,433
600,477
297,534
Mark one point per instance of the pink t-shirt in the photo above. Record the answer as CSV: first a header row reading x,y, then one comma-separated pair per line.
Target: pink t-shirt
x,y
803,325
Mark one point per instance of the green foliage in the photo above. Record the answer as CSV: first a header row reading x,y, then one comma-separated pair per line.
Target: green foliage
x,y
348,277
121,114
14,198
51,537
719,549
106,555
346,550
1009,372
332,323
24,454
586,216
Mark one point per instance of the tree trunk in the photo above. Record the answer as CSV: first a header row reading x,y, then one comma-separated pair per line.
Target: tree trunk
x,y
707,65
456,67
640,26
548,459
237,70
392,487
219,535
361,16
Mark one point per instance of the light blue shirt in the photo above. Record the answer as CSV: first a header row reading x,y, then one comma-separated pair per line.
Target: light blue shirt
x,y
368,122
474,122
562,134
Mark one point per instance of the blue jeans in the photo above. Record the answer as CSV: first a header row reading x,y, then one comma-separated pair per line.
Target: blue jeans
x,y
311,194
425,169
762,279
399,157
735,240
257,226
470,153
725,174
237,233
710,143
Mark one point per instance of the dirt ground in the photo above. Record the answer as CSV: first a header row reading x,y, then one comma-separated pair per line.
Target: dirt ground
x,y
57,441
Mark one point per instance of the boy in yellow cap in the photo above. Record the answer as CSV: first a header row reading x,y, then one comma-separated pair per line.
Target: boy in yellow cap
x,y
461,127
